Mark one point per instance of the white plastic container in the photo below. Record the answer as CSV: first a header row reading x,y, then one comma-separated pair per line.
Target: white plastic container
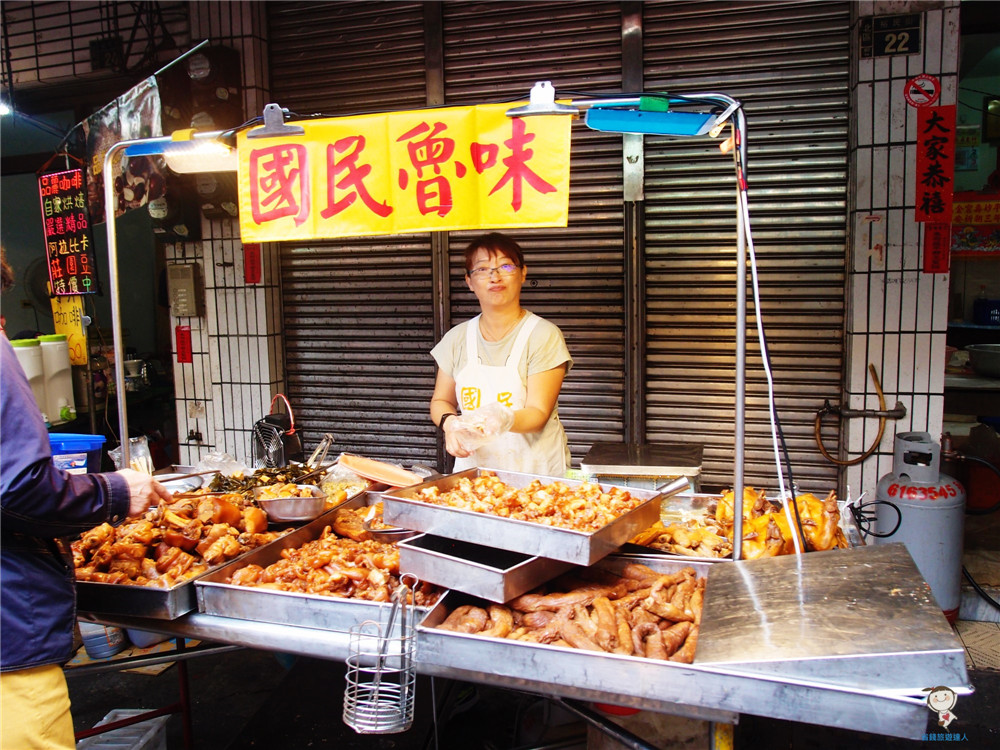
x,y
58,378
29,354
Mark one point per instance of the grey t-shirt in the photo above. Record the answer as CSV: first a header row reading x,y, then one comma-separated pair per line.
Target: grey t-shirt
x,y
546,349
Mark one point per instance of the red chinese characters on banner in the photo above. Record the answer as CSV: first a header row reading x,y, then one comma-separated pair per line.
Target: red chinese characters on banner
x,y
280,179
937,247
182,336
450,168
66,226
935,163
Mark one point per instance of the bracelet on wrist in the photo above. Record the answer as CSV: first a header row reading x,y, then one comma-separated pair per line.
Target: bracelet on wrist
x,y
444,418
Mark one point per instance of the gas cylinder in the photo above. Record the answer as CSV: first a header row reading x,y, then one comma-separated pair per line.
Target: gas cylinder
x,y
931,515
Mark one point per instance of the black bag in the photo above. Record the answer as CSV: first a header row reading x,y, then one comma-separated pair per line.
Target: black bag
x,y
275,442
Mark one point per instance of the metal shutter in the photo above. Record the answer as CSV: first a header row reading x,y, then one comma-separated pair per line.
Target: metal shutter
x,y
497,51
788,63
357,313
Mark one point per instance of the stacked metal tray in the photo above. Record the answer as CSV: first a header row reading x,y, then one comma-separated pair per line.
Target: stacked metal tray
x,y
216,596
495,574
403,508
161,603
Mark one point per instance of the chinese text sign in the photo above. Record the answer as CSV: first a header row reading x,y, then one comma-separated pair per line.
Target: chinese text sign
x,y
431,170
935,163
66,227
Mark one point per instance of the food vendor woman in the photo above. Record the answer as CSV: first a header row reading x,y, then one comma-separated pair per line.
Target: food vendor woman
x,y
499,374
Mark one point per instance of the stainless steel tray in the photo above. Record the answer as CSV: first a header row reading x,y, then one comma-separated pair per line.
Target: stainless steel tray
x,y
487,572
217,597
858,619
686,506
159,603
580,548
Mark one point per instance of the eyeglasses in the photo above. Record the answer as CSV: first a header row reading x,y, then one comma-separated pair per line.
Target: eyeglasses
x,y
483,272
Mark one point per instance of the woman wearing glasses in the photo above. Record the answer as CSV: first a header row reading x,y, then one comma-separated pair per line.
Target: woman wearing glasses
x,y
499,374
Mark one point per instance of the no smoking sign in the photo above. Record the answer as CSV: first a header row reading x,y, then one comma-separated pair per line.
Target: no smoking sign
x,y
922,90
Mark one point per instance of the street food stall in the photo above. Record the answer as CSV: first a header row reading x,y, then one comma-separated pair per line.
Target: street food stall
x,y
846,635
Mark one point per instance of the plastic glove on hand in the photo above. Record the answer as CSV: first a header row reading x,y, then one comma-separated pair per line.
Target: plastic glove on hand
x,y
493,419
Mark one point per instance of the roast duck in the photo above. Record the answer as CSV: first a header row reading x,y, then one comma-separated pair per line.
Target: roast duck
x,y
766,532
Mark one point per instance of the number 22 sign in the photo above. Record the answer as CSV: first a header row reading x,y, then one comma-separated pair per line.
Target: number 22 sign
x,y
883,36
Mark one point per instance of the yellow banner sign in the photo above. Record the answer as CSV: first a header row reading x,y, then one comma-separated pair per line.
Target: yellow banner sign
x,y
67,314
422,171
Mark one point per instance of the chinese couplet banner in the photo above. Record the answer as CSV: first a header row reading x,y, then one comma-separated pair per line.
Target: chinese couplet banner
x,y
428,170
935,163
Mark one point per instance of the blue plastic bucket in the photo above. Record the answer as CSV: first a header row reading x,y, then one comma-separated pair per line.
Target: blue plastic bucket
x,y
77,454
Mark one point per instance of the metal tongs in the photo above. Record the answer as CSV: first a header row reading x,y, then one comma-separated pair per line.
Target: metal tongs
x,y
315,462
400,608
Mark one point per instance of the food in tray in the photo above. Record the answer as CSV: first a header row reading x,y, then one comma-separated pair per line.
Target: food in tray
x,y
171,542
333,566
694,538
581,507
640,613
274,491
765,528
766,531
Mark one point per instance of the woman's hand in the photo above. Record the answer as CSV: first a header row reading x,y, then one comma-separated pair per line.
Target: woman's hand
x,y
143,491
452,440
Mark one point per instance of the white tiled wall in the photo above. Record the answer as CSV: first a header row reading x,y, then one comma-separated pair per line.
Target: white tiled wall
x,y
897,315
237,344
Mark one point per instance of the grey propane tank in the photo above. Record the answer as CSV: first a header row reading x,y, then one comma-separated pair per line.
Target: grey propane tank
x,y
931,515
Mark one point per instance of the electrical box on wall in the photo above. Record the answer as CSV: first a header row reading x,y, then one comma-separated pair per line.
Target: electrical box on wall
x,y
184,289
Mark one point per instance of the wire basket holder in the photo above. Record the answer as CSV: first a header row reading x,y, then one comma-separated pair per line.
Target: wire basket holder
x,y
381,678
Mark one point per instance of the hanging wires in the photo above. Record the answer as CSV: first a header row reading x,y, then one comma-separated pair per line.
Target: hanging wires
x,y
787,498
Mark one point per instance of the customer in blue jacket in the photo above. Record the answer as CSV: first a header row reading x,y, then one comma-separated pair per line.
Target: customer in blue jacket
x,y
37,595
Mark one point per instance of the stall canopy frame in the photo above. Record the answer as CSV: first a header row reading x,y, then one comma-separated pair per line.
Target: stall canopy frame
x,y
191,152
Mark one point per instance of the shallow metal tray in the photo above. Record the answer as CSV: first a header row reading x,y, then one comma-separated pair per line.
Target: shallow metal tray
x,y
487,572
860,619
686,506
402,508
160,603
217,597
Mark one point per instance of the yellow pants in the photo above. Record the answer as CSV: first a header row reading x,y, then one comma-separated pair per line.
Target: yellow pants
x,y
35,710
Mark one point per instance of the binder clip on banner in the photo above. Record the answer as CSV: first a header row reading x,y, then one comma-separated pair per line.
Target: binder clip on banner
x,y
274,440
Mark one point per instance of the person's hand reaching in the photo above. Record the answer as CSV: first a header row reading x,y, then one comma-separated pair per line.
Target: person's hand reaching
x,y
143,491
472,430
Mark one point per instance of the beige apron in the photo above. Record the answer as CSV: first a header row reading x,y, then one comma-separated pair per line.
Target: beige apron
x,y
477,384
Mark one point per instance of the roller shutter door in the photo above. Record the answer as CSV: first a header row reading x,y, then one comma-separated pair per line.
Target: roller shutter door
x,y
497,51
788,63
357,313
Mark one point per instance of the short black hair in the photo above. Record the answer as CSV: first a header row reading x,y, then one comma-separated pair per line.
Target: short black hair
x,y
494,243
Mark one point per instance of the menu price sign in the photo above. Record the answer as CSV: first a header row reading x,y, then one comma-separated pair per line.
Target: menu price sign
x,y
66,227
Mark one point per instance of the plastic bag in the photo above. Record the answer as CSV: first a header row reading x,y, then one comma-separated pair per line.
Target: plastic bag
x,y
139,456
223,463
475,429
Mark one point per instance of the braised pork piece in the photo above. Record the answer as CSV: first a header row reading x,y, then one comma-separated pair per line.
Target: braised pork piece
x,y
640,613
171,542
338,567
582,507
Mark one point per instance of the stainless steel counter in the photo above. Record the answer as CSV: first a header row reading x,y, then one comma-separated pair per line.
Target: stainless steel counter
x,y
846,638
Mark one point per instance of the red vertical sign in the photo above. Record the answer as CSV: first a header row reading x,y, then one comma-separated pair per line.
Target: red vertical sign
x,y
182,335
935,163
251,263
937,247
